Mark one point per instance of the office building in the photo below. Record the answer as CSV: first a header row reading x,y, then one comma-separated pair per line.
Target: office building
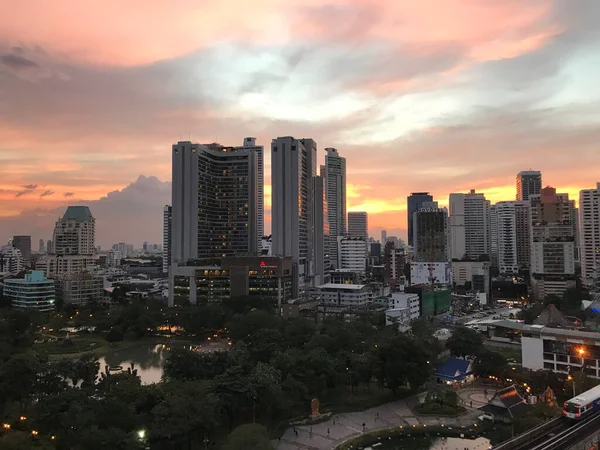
x,y
42,247
335,180
268,277
352,254
11,260
23,243
293,166
469,225
358,224
74,233
49,247
341,294
529,182
383,237
33,292
413,203
552,243
166,249
406,300
589,235
214,210
431,234
493,219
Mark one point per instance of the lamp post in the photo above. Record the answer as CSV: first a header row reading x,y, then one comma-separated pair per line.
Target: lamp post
x,y
581,352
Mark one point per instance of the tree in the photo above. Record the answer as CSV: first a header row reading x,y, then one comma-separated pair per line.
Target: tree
x,y
464,342
115,335
489,363
248,437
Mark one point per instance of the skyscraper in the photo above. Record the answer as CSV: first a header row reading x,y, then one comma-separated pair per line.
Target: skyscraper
x,y
552,243
413,203
293,165
42,246
335,175
358,224
469,225
214,201
322,233
250,144
431,234
529,182
383,238
23,243
75,232
49,247
166,249
589,225
506,228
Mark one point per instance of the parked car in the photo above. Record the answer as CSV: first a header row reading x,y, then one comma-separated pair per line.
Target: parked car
x,y
486,416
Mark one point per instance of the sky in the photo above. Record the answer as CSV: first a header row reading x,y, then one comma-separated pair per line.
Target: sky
x,y
430,95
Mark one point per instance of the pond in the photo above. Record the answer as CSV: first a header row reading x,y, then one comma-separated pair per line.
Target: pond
x,y
422,442
148,359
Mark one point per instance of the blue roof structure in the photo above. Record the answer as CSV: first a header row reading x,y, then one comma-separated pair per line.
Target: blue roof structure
x,y
455,369
78,213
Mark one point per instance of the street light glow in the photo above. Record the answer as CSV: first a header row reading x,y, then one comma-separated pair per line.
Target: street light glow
x,y
581,351
141,434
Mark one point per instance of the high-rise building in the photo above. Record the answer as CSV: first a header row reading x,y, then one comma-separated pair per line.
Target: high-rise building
x,y
510,240
552,243
523,229
589,226
322,233
11,259
431,234
383,237
352,253
33,292
250,144
23,243
529,182
493,219
335,179
358,224
293,165
413,203
166,250
469,225
42,247
74,233
214,201
49,247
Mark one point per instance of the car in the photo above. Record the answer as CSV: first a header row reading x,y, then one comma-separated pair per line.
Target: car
x,y
486,416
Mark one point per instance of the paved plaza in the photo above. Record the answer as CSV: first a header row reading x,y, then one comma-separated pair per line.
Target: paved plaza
x,y
342,427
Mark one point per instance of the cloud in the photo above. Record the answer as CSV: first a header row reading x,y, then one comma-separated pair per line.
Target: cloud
x,y
46,193
30,186
68,194
18,62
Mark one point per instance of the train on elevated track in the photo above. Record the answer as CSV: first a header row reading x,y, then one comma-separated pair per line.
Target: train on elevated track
x,y
583,405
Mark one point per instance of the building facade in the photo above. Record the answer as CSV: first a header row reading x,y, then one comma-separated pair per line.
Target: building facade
x,y
358,224
341,294
79,288
469,225
321,232
166,250
11,259
477,273
414,202
406,300
431,237
335,182
75,232
432,273
250,144
293,165
552,243
589,235
23,243
33,292
529,182
352,254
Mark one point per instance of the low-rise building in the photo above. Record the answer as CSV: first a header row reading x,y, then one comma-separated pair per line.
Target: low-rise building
x,y
34,292
341,294
399,317
432,302
57,265
79,289
404,300
11,259
435,273
476,273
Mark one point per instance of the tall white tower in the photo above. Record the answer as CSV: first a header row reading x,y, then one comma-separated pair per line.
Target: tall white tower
x,y
469,225
589,223
335,180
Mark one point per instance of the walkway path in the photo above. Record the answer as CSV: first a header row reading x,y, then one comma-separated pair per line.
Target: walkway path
x,y
341,427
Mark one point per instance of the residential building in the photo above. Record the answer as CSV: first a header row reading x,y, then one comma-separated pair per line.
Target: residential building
x,y
529,182
523,229
23,243
335,181
358,224
394,260
54,265
74,233
11,260
433,273
250,144
79,288
42,247
589,235
166,250
406,300
352,253
413,203
469,225
506,229
383,237
114,257
431,235
493,218
552,243
341,294
214,202
293,165
475,274
49,247
270,277
33,292
321,232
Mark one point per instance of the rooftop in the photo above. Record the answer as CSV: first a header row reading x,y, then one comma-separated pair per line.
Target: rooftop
x,y
78,213
349,287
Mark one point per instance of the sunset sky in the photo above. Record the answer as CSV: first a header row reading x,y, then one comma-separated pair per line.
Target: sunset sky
x,y
427,95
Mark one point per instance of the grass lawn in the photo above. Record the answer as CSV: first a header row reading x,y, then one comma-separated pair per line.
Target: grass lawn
x,y
82,344
508,352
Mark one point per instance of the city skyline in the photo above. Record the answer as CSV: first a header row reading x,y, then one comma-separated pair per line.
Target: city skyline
x,y
466,106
